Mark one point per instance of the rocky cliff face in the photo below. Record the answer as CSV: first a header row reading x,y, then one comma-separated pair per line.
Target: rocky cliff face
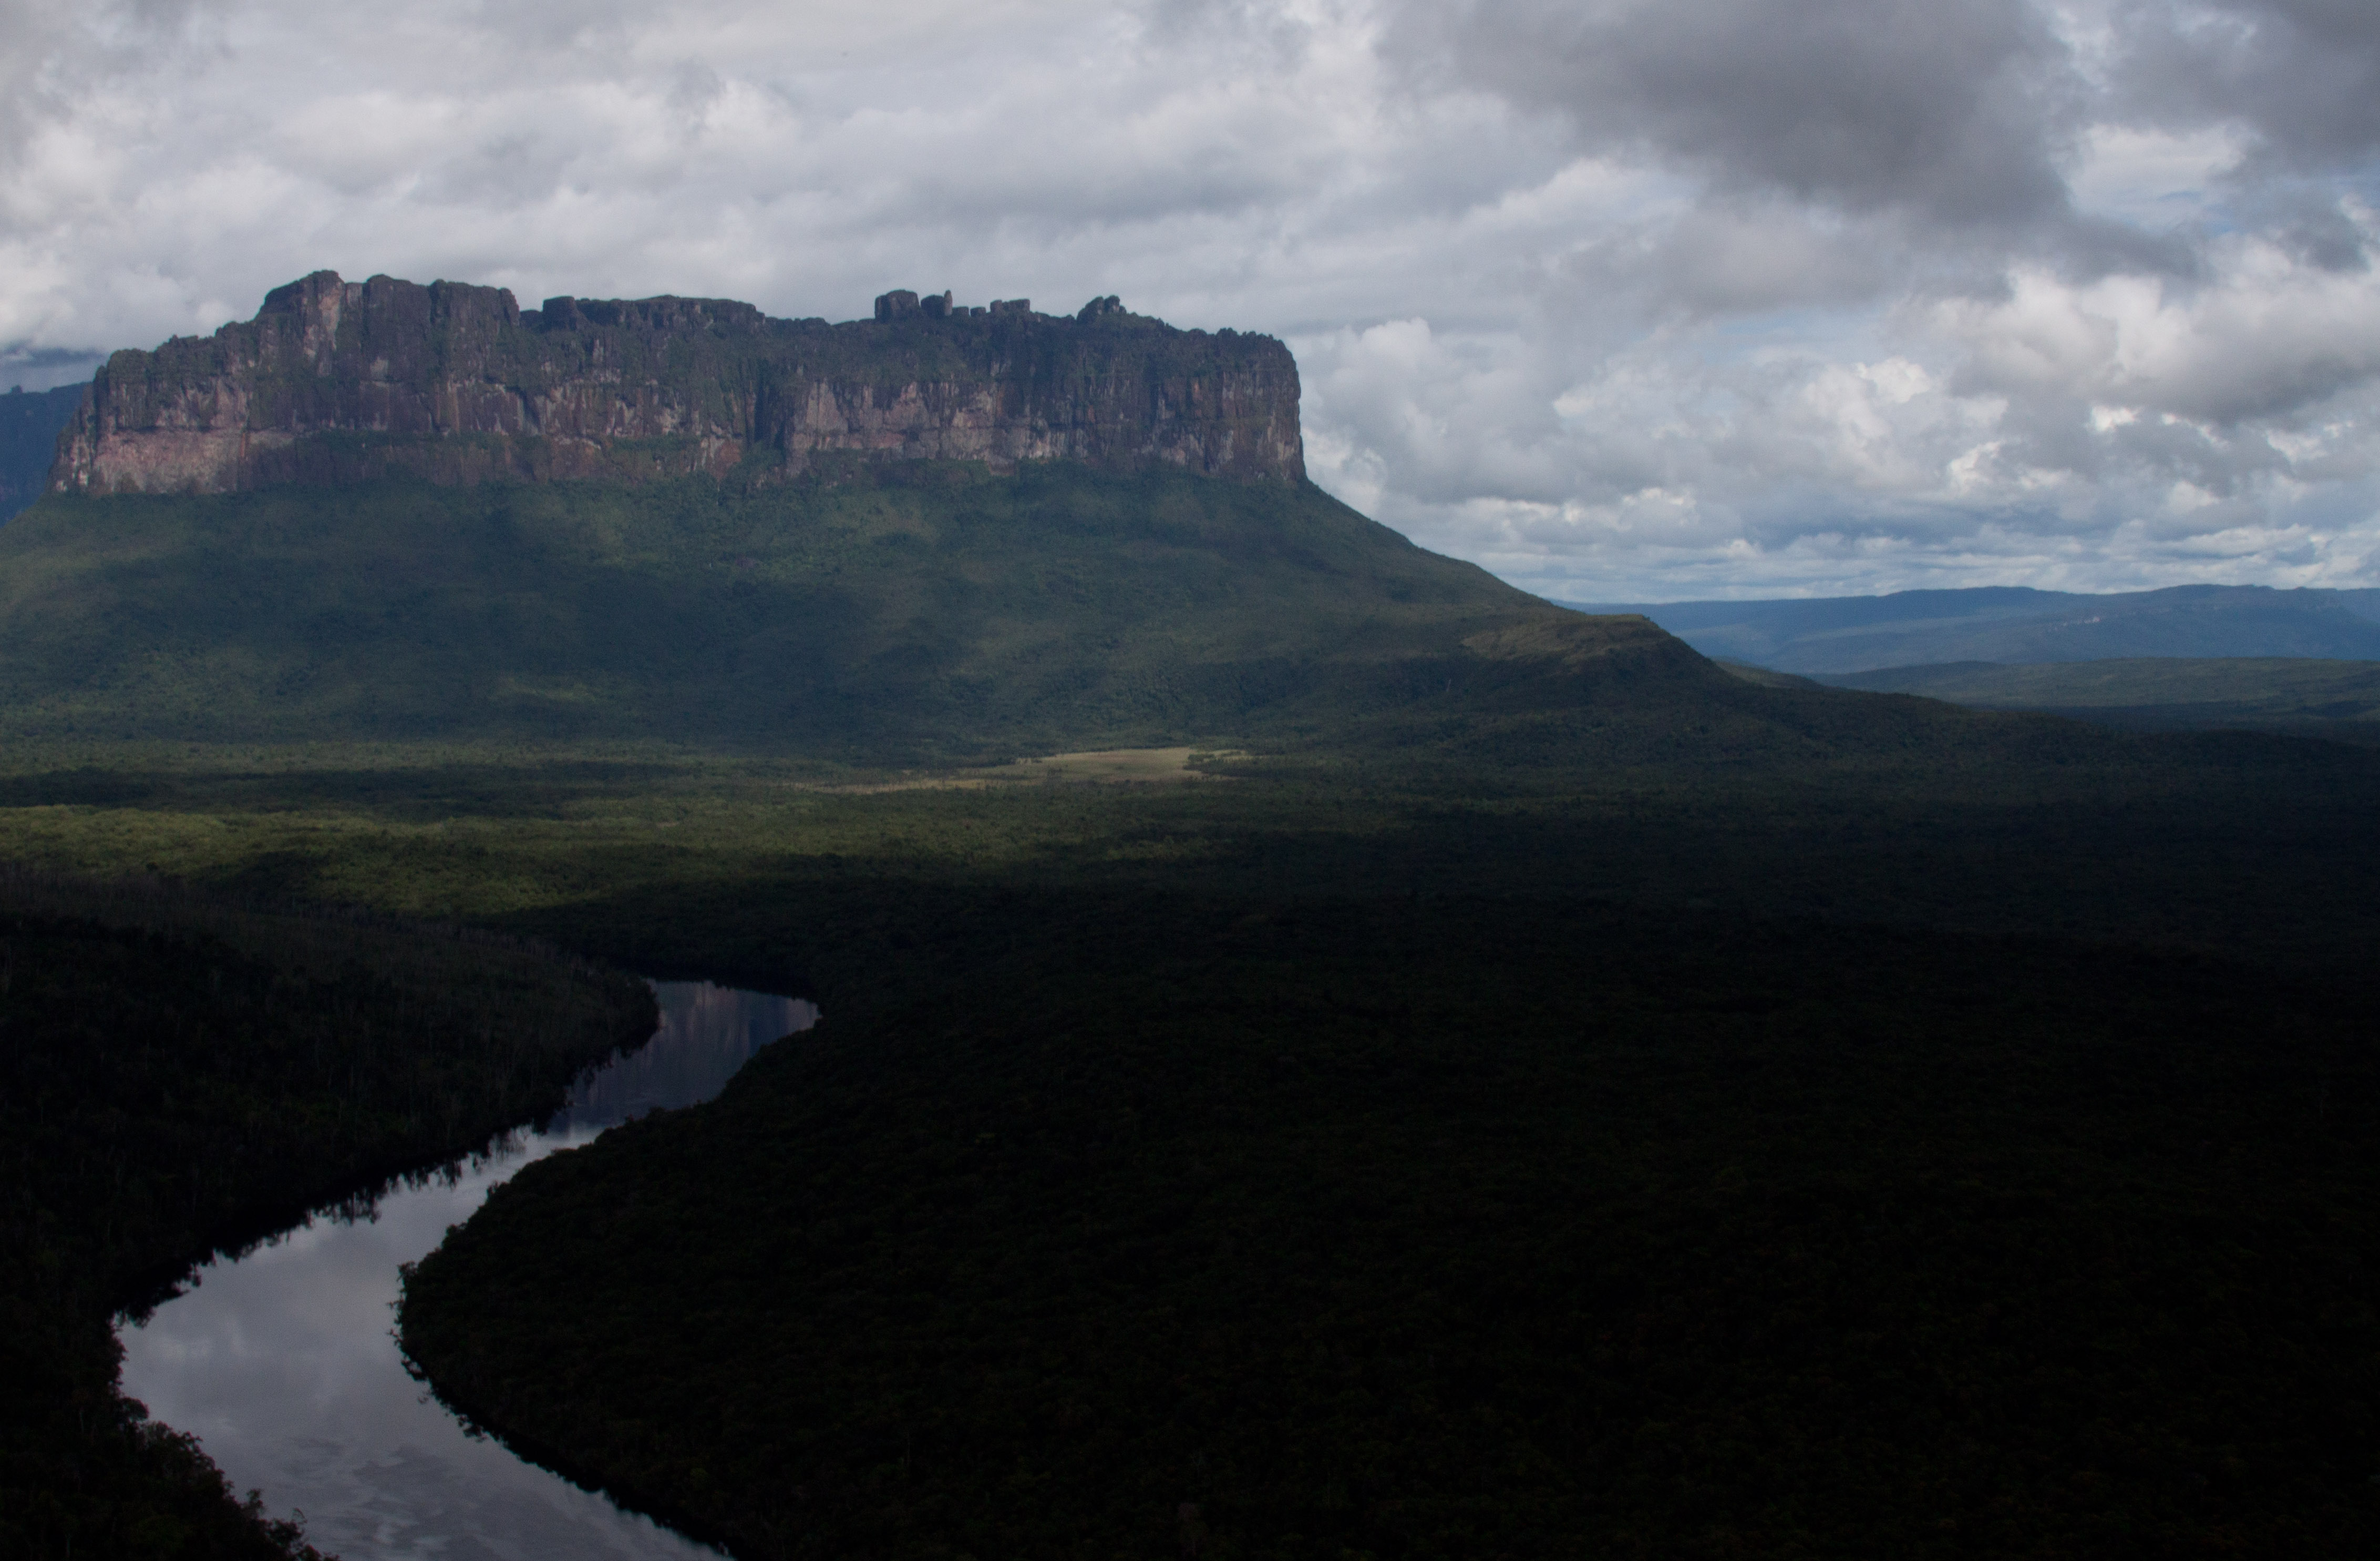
x,y
338,381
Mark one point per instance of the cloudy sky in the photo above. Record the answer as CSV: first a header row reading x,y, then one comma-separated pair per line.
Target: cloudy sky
x,y
1626,299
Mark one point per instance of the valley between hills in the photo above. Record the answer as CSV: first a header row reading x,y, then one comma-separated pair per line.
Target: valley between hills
x,y
1538,1092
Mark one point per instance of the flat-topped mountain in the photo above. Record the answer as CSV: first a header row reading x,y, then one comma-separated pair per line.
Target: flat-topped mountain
x,y
338,382
386,511
390,511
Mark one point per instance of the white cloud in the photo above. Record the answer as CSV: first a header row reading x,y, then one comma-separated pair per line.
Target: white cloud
x,y
2155,177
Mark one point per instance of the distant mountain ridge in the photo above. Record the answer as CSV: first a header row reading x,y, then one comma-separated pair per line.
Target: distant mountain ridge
x,y
2016,625
337,382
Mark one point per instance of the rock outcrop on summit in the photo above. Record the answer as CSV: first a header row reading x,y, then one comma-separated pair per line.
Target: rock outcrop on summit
x,y
338,382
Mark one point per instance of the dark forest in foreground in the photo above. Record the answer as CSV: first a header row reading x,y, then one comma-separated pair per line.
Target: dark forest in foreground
x,y
1471,1228
1385,1174
1966,1115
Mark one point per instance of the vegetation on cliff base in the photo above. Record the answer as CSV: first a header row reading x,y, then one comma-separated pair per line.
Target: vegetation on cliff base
x,y
901,612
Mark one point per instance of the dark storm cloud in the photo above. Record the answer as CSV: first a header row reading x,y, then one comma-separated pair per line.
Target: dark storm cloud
x,y
1958,112
2301,76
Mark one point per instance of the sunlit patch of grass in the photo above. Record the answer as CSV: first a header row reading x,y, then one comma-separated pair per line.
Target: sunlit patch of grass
x,y
1114,764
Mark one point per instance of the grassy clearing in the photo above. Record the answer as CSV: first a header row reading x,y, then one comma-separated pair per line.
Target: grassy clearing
x,y
1119,765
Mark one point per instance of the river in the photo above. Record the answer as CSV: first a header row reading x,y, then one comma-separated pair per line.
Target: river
x,y
284,1361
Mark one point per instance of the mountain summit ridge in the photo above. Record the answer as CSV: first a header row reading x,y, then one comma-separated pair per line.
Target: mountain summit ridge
x,y
337,382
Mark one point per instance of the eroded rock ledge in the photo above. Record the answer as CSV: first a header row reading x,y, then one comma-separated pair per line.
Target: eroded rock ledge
x,y
337,380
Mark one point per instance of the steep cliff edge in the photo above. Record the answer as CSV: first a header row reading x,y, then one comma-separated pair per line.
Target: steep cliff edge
x,y
341,381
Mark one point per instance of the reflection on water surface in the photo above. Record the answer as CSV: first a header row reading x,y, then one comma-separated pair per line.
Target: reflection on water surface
x,y
283,1363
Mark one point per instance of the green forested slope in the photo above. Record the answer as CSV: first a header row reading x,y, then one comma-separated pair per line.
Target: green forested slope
x,y
918,610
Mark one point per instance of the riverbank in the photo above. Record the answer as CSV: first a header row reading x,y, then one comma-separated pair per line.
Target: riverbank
x,y
281,1357
187,1072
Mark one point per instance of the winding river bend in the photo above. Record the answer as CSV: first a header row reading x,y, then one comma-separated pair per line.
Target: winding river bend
x,y
284,1364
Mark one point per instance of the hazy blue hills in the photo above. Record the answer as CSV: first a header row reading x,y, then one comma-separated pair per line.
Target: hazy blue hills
x,y
29,421
2016,625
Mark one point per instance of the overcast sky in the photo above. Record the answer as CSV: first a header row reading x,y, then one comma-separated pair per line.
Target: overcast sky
x,y
1626,299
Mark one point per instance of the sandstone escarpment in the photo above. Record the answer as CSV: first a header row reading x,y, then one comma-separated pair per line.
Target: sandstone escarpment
x,y
338,381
